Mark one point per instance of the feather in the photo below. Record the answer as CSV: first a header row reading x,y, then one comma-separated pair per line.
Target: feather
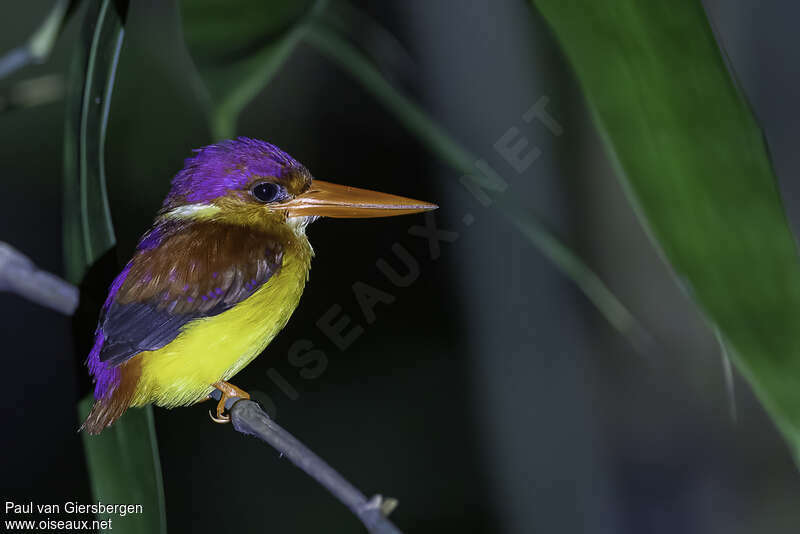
x,y
212,248
181,273
209,266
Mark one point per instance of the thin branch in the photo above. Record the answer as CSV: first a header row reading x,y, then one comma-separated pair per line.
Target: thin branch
x,y
41,43
248,418
19,275
14,60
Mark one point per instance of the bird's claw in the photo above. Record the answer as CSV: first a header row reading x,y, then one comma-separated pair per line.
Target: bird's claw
x,y
220,419
229,391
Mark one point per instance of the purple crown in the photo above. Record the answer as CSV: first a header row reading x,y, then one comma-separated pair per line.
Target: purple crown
x,y
231,164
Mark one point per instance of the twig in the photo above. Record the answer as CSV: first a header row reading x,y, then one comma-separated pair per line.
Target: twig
x,y
41,43
248,418
19,275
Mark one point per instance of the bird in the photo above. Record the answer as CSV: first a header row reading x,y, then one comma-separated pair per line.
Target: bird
x,y
215,278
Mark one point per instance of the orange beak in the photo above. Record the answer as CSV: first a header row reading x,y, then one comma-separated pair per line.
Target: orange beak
x,y
325,199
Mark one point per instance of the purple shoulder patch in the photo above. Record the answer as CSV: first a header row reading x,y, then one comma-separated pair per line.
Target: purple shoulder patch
x,y
106,378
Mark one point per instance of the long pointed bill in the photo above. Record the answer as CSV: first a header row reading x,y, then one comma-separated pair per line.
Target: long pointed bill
x,y
325,199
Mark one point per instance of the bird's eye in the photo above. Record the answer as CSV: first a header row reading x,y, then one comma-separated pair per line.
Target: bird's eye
x,y
266,191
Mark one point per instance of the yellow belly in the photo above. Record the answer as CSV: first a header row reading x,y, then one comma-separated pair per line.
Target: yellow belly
x,y
216,348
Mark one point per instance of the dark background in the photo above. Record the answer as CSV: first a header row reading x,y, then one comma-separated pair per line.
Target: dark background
x,y
490,396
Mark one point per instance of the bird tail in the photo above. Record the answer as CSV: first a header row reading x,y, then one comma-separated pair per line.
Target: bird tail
x,y
103,413
110,407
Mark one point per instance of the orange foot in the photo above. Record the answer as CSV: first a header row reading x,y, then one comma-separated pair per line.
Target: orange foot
x,y
228,391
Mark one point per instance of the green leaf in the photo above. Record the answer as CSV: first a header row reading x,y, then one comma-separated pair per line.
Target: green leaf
x,y
125,469
440,143
88,230
232,85
238,46
696,166
123,461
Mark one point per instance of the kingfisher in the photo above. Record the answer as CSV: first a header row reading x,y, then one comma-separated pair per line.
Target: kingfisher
x,y
215,278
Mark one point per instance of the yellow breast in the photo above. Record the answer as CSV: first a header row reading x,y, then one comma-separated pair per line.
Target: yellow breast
x,y
216,348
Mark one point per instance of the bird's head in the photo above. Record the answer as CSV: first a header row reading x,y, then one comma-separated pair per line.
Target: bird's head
x,y
253,183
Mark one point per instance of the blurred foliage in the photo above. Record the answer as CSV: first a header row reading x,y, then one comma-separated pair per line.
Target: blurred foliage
x,y
683,137
88,230
123,462
236,68
696,165
444,146
124,468
237,48
41,43
218,31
